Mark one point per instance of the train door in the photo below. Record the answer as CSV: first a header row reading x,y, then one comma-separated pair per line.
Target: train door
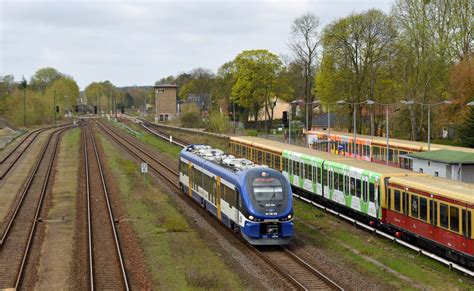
x,y
466,227
433,216
238,206
217,195
190,179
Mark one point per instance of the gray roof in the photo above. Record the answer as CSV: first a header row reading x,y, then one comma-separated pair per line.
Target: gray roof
x,y
321,120
166,86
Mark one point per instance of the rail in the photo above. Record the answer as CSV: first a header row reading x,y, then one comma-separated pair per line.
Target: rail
x,y
13,264
299,281
87,131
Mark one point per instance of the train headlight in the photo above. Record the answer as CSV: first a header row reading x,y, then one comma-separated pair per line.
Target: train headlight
x,y
251,217
290,216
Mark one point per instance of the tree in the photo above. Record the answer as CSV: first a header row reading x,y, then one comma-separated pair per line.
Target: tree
x,y
45,77
258,83
304,44
466,130
67,93
355,49
200,82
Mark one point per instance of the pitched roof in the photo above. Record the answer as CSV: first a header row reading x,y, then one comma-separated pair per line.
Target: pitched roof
x,y
445,156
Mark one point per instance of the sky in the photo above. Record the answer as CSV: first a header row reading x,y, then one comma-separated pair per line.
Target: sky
x,y
139,42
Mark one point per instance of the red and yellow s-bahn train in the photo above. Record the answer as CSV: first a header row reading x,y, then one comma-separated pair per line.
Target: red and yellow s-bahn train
x,y
432,212
372,148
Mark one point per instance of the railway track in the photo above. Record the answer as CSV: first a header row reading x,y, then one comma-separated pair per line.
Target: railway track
x,y
106,264
293,270
9,159
18,233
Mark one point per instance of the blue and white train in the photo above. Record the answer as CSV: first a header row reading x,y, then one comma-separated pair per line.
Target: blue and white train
x,y
251,199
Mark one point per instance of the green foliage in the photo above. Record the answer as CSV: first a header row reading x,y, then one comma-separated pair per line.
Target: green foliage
x,y
44,77
218,122
466,130
190,116
259,80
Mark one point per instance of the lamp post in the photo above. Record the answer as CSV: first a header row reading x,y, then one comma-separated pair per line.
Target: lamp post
x,y
289,119
429,105
342,102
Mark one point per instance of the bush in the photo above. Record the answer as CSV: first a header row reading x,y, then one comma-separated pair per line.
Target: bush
x,y
218,122
191,119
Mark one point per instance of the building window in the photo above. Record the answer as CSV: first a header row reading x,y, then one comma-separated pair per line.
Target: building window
x,y
161,117
421,170
429,163
436,174
166,117
160,91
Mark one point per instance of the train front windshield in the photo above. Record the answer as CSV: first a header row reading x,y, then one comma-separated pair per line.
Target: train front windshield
x,y
267,189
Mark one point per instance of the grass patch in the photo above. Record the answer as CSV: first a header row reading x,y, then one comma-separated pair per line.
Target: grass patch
x,y
357,248
165,147
177,257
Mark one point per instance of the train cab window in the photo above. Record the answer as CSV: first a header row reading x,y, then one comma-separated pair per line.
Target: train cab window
x,y
466,223
353,186
423,208
372,192
433,212
364,191
414,206
396,200
443,215
454,218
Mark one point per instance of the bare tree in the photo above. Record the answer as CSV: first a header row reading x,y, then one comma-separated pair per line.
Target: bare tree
x,y
304,44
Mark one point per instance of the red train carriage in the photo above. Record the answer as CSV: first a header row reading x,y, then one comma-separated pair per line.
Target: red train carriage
x,y
435,212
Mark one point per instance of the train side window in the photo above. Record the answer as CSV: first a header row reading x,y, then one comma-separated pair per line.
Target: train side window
x,y
454,218
423,208
277,162
309,172
358,188
341,182
335,177
268,160
325,177
466,223
371,192
433,212
364,191
260,157
353,187
317,174
443,215
397,200
389,198
346,185
405,203
285,164
414,206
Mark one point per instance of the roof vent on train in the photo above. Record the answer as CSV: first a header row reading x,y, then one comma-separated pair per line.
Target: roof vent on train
x,y
238,163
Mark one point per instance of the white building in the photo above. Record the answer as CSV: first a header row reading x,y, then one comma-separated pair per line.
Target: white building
x,y
447,164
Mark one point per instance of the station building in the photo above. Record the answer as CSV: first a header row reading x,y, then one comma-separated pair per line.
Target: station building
x,y
166,102
449,164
